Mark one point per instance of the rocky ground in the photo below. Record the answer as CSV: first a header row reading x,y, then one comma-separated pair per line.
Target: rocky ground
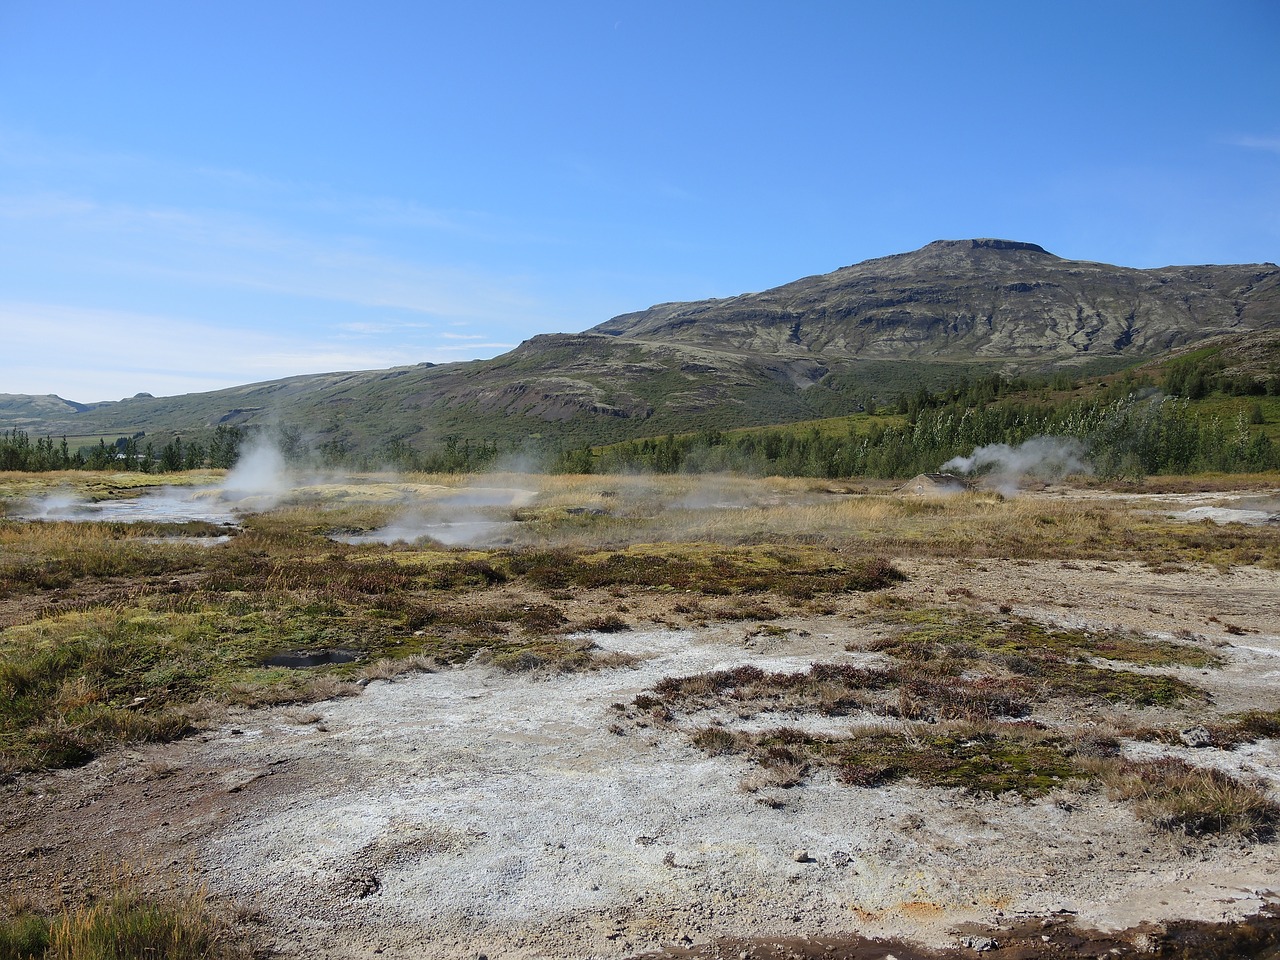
x,y
470,812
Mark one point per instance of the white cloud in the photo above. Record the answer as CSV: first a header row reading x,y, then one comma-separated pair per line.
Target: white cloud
x,y
369,328
134,274
1269,144
470,349
106,354
219,249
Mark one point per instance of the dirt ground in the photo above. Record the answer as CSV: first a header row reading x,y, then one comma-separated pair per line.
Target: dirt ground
x,y
469,812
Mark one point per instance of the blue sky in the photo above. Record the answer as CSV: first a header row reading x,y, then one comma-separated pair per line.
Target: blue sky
x,y
198,195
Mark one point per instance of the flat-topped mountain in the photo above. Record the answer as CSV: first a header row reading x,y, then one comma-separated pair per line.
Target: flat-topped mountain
x,y
816,347
975,299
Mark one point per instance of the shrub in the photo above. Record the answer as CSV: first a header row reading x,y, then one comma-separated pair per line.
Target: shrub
x,y
1176,796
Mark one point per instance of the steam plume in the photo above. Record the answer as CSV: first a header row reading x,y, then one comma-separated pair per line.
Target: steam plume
x,y
1046,458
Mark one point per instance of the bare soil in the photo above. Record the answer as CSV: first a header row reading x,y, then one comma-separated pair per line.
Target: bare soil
x,y
472,812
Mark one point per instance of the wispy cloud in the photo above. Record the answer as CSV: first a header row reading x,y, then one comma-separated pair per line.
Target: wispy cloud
x,y
108,354
1269,144
220,249
383,327
133,273
470,348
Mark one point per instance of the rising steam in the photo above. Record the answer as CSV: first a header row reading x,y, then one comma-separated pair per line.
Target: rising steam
x,y
260,476
1005,467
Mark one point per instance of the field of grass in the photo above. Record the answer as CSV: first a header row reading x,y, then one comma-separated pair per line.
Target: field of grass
x,y
961,696
114,633
125,632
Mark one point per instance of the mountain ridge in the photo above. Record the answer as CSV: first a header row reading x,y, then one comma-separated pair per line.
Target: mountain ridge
x,y
817,346
941,301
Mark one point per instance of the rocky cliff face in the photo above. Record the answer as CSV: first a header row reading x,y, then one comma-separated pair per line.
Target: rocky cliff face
x,y
975,299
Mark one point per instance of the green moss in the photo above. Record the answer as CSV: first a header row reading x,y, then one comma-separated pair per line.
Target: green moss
x,y
1121,686
940,632
978,762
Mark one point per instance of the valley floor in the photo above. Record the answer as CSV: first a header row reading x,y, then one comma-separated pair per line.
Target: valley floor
x,y
471,812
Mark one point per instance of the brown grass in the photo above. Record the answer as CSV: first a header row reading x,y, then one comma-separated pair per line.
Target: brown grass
x,y
1174,795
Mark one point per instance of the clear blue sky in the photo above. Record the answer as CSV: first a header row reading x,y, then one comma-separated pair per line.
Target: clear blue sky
x,y
196,194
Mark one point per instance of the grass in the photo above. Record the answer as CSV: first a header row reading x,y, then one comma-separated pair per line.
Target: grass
x,y
1179,797
797,573
1056,661
561,656
829,689
937,632
953,739
110,635
974,526
960,689
1224,733
1085,682
123,926
1168,793
977,758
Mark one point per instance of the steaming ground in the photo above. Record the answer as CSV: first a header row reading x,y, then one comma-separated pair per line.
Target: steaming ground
x,y
1006,468
471,812
261,480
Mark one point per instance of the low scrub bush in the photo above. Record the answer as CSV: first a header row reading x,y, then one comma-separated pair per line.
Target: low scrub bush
x,y
1176,796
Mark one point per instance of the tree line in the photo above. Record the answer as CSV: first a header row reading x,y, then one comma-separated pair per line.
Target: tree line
x,y
18,451
1206,371
1129,429
1133,435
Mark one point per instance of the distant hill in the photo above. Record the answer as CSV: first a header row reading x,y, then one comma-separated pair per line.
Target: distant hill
x,y
816,347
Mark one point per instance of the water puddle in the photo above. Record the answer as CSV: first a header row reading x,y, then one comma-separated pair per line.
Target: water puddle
x,y
298,659
449,533
1223,515
166,505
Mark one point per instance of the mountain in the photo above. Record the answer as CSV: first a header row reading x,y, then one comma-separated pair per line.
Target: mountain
x,y
975,299
815,347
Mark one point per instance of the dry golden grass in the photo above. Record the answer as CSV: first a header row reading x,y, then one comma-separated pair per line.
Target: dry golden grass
x,y
625,510
1174,795
123,924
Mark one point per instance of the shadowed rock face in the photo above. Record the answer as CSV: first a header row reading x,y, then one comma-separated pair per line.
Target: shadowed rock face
x,y
979,299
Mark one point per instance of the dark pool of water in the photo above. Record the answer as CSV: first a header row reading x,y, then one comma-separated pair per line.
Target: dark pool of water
x,y
296,659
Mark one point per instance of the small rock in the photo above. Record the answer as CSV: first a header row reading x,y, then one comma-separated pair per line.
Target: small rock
x,y
1146,943
800,856
1196,737
980,944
